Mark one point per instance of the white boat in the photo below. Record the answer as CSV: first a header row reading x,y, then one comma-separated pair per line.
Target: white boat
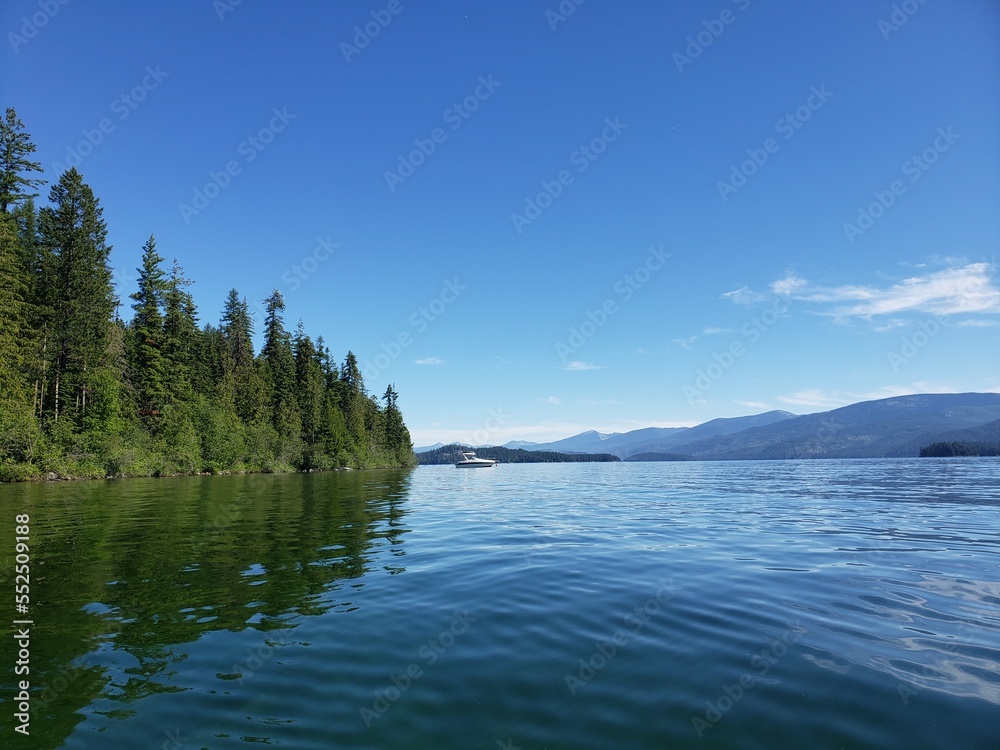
x,y
469,461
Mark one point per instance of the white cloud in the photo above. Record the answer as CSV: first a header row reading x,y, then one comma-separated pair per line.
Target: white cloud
x,y
958,290
978,323
825,400
576,365
429,361
598,402
744,296
552,400
685,343
788,285
756,405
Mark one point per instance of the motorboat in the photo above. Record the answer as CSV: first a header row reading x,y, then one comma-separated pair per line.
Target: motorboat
x,y
469,461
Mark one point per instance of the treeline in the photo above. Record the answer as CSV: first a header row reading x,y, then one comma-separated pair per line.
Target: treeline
x,y
937,450
450,454
84,393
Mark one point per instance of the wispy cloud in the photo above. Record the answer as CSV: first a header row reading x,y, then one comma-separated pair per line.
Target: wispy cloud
x,y
978,323
716,330
744,296
824,400
756,405
429,361
598,402
789,285
577,365
685,343
552,400
966,289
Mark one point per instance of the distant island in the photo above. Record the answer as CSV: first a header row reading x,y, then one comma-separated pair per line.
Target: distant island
x,y
938,450
450,454
83,393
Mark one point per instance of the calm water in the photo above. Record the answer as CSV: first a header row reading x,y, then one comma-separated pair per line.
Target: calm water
x,y
821,604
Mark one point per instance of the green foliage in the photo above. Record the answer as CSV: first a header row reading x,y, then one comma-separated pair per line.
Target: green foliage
x,y
83,394
15,147
938,450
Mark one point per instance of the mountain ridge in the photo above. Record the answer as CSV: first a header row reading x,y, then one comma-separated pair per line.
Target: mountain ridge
x,y
888,427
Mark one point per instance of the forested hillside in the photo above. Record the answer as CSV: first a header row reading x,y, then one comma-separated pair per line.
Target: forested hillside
x,y
449,454
85,393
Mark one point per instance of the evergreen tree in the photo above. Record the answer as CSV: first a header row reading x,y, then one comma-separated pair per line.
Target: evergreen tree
x,y
15,147
278,370
241,381
183,351
83,298
16,419
397,437
310,388
352,401
148,362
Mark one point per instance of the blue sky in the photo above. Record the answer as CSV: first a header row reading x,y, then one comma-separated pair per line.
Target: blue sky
x,y
536,222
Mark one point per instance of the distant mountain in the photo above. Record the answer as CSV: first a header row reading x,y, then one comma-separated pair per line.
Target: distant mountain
x,y
520,444
887,427
658,439
426,448
897,426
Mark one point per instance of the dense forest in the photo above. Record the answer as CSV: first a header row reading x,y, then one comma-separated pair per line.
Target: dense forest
x,y
85,394
937,450
450,454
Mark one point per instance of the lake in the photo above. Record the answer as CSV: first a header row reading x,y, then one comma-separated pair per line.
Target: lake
x,y
781,604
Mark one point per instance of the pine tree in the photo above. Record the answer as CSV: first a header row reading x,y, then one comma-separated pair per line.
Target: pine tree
x,y
15,147
183,350
352,401
17,427
82,300
241,381
397,437
278,368
148,362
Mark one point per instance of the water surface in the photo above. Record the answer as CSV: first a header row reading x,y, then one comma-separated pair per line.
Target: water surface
x,y
821,604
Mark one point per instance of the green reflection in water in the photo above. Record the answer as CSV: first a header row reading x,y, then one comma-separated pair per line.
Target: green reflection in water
x,y
124,574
